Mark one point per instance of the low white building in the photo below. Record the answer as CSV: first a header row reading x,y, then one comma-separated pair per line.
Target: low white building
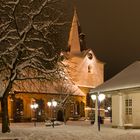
x,y
124,89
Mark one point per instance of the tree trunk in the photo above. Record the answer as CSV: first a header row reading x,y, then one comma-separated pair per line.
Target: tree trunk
x,y
64,114
5,117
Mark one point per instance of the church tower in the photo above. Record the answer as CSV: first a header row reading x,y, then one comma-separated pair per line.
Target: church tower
x,y
82,60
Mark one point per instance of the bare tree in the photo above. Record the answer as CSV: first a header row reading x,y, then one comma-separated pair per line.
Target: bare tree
x,y
67,90
28,40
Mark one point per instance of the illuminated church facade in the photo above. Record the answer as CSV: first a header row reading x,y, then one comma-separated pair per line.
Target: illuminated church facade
x,y
85,73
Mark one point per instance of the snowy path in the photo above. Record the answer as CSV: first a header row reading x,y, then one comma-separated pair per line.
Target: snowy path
x,y
81,130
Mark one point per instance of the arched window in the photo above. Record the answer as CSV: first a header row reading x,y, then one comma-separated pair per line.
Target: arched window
x,y
90,70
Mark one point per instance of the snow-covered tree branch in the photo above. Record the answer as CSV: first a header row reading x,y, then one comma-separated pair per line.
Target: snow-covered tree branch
x,y
29,42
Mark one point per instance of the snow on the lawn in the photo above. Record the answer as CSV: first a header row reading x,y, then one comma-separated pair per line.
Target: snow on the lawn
x,y
81,130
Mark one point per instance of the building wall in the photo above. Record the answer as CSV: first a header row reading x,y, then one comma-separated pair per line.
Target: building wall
x,y
135,96
127,119
28,113
78,68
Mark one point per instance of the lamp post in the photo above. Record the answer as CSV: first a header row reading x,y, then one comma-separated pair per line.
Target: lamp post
x,y
52,104
34,107
93,97
110,113
99,98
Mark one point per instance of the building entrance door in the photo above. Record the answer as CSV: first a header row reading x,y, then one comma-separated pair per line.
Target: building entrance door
x,y
18,110
60,115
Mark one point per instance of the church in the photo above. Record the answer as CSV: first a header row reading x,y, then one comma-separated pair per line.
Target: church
x,y
85,72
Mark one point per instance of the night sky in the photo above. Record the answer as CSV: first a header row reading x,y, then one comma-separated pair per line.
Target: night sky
x,y
112,29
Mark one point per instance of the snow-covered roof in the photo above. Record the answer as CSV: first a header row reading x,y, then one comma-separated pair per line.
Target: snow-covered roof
x,y
43,86
127,78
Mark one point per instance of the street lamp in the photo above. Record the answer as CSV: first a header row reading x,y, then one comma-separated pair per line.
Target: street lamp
x,y
52,104
93,97
34,107
100,98
49,104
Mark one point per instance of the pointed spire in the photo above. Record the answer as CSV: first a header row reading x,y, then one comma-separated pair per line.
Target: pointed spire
x,y
75,15
74,43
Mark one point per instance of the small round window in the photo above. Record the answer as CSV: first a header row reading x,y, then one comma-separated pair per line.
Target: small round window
x,y
90,56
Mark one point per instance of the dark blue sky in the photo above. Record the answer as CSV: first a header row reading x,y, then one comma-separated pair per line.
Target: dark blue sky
x,y
112,29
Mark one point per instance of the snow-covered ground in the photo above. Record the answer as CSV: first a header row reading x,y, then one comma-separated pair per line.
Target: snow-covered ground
x,y
73,130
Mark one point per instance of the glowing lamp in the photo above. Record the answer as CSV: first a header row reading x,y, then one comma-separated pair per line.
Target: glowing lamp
x,y
93,97
101,97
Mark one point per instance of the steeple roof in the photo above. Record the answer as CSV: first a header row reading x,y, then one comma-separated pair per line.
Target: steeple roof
x,y
74,44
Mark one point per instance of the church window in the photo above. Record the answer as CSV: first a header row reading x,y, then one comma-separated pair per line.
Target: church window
x,y
90,69
89,55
